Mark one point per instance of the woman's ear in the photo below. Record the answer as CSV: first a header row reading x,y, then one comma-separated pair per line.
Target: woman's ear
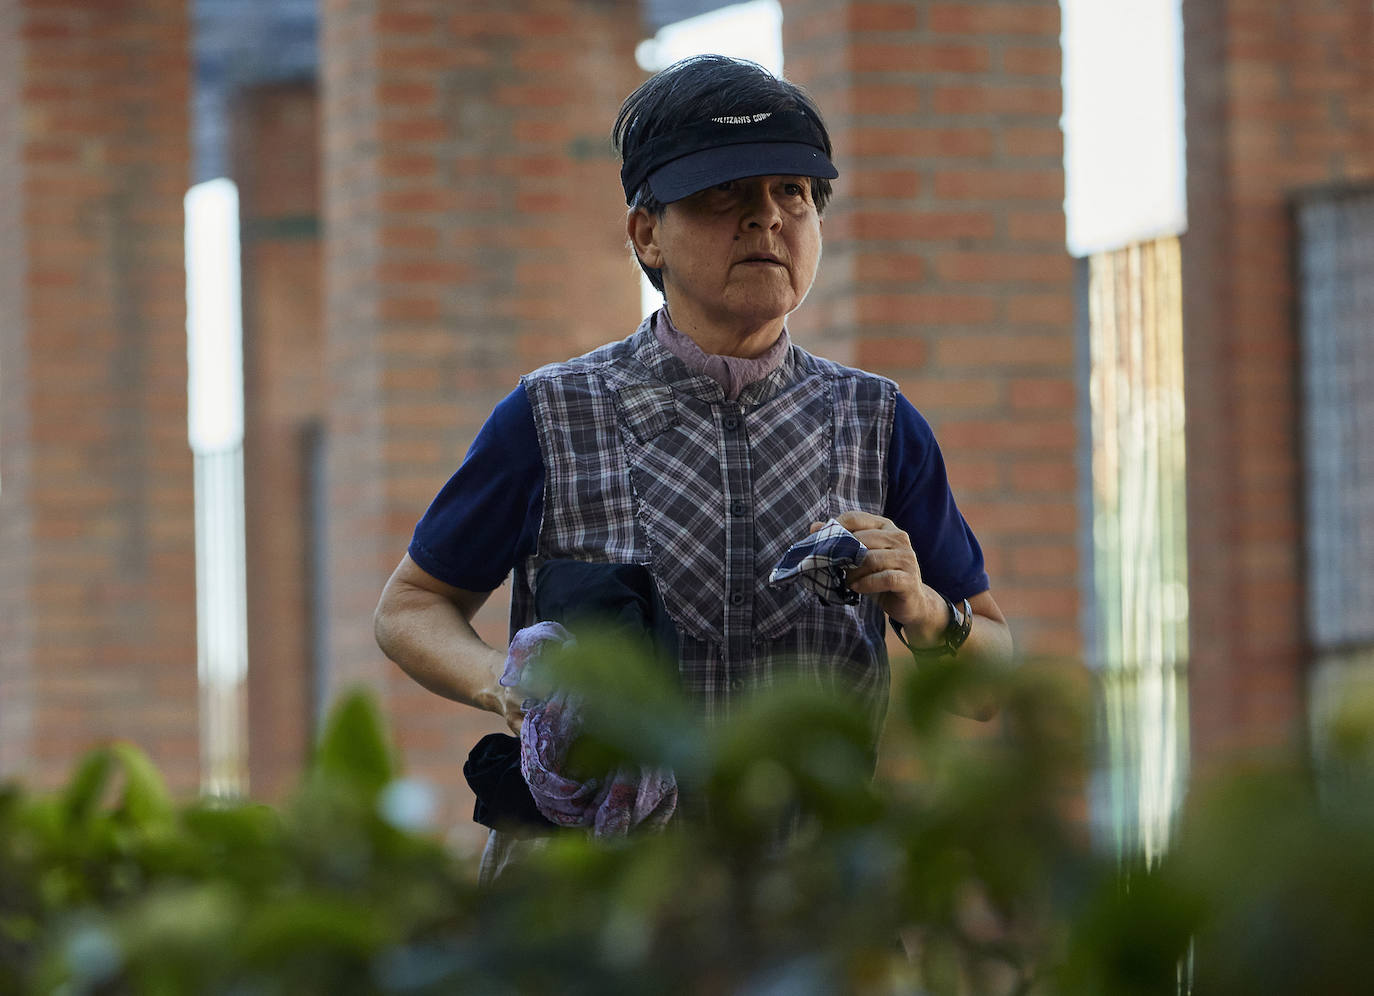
x,y
642,227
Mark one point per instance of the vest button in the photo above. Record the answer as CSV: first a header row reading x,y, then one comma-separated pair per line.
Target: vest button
x,y
736,598
736,684
731,422
738,507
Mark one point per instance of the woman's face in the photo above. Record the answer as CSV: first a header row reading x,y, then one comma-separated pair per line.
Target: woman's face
x,y
737,258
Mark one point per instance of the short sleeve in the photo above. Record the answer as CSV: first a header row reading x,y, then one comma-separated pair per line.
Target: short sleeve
x,y
920,502
486,519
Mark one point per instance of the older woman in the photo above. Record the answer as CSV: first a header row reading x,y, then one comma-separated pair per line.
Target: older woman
x,y
707,443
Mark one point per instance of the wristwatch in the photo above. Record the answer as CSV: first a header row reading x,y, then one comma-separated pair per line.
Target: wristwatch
x,y
956,632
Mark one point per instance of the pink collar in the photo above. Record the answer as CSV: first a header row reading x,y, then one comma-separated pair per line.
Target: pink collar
x,y
732,373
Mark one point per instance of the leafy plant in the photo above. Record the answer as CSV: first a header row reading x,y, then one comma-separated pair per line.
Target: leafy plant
x,y
789,870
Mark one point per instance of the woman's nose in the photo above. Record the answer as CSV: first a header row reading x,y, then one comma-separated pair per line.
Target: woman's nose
x,y
761,209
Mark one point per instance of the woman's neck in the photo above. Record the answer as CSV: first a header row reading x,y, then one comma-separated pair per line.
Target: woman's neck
x,y
745,341
732,373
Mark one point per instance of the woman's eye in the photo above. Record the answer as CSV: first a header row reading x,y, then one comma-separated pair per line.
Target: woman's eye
x,y
725,187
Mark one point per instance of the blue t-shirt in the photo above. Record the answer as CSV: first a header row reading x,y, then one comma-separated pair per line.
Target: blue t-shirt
x,y
486,519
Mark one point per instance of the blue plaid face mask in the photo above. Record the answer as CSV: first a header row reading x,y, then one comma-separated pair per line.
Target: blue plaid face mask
x,y
819,562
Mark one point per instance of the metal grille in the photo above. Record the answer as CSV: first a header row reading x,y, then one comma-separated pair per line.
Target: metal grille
x,y
1140,605
1336,317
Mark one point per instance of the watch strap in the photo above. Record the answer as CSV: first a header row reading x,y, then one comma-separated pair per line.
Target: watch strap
x,y
955,633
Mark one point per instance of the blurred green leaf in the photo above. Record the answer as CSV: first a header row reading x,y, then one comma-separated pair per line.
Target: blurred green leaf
x,y
789,868
192,920
330,925
146,801
629,701
87,785
354,748
1132,936
793,749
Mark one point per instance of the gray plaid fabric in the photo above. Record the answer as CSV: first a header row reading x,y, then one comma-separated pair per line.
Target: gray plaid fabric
x,y
647,463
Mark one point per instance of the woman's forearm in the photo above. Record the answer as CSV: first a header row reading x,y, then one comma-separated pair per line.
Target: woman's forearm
x,y
425,627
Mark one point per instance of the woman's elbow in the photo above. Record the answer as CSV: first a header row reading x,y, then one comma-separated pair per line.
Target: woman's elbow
x,y
385,621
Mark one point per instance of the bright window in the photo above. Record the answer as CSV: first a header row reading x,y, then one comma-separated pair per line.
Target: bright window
x,y
1123,122
214,336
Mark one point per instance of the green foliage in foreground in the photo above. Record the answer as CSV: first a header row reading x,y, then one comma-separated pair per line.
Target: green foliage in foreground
x,y
976,877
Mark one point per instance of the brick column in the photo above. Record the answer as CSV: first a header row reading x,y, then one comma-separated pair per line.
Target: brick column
x,y
945,266
96,509
474,230
16,522
283,407
1280,97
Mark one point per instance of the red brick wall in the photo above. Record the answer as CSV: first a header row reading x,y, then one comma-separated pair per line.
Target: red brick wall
x,y
475,230
101,481
284,402
16,629
945,265
1280,97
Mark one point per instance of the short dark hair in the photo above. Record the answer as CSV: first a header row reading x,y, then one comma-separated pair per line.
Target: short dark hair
x,y
697,88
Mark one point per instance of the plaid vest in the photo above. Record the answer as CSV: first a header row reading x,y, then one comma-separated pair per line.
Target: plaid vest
x,y
646,462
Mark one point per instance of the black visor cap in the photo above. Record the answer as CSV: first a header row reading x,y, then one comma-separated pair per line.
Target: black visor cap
x,y
786,143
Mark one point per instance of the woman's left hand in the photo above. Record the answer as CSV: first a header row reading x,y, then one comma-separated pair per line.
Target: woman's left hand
x,y
891,575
